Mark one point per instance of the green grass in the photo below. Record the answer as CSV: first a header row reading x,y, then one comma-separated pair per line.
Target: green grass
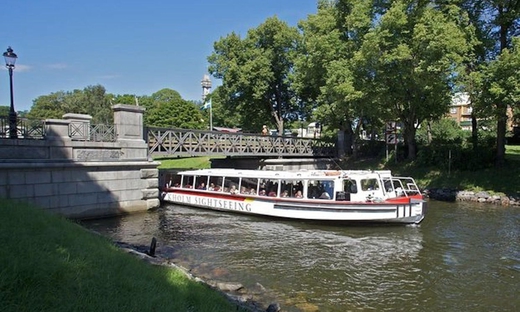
x,y
185,163
513,152
48,263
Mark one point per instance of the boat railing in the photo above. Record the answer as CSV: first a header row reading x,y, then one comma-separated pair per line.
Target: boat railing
x,y
407,186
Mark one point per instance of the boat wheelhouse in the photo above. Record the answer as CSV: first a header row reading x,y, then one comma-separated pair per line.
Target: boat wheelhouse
x,y
320,195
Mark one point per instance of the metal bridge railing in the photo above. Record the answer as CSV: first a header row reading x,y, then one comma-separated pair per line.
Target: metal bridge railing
x,y
25,128
184,142
84,131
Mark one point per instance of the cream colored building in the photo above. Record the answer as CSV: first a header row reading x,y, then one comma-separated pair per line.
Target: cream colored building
x,y
460,111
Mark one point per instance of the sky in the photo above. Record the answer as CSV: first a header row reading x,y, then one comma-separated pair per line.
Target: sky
x,y
127,46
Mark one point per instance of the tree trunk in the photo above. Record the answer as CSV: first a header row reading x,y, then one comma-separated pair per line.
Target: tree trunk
x,y
474,133
501,108
409,136
501,136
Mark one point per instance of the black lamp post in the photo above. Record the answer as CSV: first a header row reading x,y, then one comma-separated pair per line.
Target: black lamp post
x,y
10,59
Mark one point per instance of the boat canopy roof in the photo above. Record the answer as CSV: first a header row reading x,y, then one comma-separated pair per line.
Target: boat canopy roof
x,y
298,174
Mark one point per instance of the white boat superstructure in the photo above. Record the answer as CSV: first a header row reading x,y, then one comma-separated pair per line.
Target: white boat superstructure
x,y
320,195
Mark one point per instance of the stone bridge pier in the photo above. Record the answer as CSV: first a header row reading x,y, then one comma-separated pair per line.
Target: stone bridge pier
x,y
80,171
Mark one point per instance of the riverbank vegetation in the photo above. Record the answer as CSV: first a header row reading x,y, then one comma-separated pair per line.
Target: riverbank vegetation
x,y
48,263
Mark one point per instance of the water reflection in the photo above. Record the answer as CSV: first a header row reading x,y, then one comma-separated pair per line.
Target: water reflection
x,y
460,258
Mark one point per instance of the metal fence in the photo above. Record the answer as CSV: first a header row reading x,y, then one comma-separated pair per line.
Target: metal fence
x,y
25,128
184,142
33,129
84,131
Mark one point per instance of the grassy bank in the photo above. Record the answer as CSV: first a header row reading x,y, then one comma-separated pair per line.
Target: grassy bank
x,y
48,263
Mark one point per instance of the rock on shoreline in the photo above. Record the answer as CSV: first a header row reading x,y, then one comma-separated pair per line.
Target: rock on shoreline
x,y
448,194
234,292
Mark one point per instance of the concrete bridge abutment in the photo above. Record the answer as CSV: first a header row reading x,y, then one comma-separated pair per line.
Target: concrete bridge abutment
x,y
76,174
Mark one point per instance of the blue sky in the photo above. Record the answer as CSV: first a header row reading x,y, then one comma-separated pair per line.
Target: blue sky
x,y
127,46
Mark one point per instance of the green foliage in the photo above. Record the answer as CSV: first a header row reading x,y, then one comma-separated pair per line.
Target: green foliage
x,y
4,111
166,108
226,115
444,131
255,74
452,148
92,100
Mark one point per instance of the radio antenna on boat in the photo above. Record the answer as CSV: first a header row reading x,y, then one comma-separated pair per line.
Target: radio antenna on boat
x,y
335,162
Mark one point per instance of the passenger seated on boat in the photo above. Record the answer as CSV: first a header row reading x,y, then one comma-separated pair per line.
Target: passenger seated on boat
x,y
285,194
202,186
299,194
262,193
211,187
216,188
233,189
272,194
252,191
243,190
324,195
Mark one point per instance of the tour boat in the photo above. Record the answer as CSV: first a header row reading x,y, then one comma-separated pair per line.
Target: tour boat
x,y
344,196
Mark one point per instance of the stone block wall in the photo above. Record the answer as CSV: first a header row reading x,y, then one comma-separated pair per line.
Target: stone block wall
x,y
78,178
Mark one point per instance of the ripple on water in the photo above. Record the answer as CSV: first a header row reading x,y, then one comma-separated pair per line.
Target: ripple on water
x,y
460,258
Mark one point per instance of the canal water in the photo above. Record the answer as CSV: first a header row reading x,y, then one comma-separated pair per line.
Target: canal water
x,y
462,257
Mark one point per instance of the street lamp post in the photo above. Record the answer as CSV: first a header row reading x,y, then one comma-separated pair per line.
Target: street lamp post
x,y
10,59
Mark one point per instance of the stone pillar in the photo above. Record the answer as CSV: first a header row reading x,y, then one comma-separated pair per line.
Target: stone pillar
x,y
79,126
128,120
57,136
57,129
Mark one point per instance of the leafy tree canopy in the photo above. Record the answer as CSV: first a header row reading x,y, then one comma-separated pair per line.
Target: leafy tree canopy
x,y
255,73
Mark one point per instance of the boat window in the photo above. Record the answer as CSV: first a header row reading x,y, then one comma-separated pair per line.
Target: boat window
x,y
173,180
268,187
369,185
249,186
350,186
215,184
187,181
291,188
231,185
201,182
322,189
389,186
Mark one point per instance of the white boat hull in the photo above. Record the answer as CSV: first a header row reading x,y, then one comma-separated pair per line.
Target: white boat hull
x,y
409,211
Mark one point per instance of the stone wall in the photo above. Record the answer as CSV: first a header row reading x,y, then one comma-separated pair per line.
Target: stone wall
x,y
70,175
447,194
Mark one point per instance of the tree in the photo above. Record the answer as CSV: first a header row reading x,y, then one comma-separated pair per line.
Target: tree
x,y
498,21
328,80
255,73
501,89
4,111
414,53
166,108
92,100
